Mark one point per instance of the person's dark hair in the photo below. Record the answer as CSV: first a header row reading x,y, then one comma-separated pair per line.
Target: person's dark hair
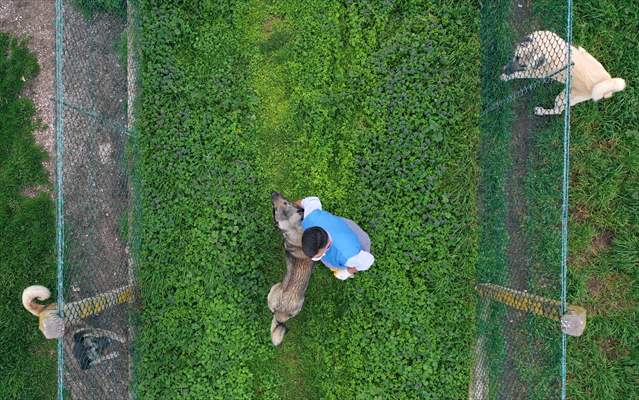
x,y
313,239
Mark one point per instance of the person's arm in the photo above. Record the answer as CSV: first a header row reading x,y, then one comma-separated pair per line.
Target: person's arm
x,y
309,204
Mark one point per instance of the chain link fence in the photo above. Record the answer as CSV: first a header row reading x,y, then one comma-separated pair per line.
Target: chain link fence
x,y
520,348
95,89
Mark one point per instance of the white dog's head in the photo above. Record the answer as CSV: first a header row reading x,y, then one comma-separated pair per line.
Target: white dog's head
x,y
527,56
542,53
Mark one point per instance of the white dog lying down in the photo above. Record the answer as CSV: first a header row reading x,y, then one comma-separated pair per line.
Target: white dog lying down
x,y
543,54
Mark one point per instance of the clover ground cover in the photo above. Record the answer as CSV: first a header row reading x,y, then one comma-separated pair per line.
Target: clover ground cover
x,y
371,107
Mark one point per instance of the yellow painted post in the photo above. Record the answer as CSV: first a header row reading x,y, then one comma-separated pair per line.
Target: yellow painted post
x,y
573,322
81,309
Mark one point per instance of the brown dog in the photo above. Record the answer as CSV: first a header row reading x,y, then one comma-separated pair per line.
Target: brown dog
x,y
285,299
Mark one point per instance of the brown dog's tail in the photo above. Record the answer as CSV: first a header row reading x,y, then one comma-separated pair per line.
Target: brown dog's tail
x,y
278,330
605,89
30,294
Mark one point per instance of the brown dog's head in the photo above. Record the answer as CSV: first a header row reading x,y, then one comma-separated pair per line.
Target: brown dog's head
x,y
288,218
285,213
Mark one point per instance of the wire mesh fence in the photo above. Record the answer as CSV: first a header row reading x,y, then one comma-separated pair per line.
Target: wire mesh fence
x,y
519,352
95,203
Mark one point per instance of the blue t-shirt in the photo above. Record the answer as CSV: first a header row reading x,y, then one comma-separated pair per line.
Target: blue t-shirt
x,y
345,244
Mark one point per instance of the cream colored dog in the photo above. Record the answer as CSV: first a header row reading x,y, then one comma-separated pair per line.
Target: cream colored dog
x,y
542,54
50,324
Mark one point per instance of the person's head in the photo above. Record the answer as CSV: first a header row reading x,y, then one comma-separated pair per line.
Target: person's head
x,y
314,242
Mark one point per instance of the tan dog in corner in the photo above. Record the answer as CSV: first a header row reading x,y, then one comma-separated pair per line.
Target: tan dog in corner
x,y
542,54
51,325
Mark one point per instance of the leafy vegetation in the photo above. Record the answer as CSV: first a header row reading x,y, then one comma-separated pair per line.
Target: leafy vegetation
x,y
373,108
26,232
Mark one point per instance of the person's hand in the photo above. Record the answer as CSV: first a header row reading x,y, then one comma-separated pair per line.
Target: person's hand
x,y
351,270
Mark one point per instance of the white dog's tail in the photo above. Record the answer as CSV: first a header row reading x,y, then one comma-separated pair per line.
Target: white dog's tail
x,y
278,330
606,88
30,294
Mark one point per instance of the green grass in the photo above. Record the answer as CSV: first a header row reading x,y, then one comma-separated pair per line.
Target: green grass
x,y
27,370
120,49
603,229
603,274
358,104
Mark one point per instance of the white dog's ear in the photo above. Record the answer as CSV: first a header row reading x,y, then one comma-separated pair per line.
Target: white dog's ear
x,y
526,41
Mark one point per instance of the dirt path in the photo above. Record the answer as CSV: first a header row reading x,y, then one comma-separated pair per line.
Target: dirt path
x,y
34,20
513,386
95,191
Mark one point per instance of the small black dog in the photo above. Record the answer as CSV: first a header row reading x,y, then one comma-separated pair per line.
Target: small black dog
x,y
90,346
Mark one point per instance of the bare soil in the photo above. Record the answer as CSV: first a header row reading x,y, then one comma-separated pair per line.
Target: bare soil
x,y
579,213
599,243
594,287
612,349
95,191
519,261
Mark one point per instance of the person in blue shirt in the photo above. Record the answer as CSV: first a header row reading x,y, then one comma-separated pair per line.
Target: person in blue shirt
x,y
338,242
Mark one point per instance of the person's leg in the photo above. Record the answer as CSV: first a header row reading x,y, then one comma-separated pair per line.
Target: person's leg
x,y
362,237
339,273
342,274
364,241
